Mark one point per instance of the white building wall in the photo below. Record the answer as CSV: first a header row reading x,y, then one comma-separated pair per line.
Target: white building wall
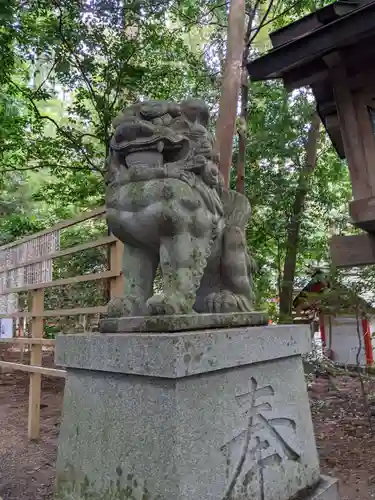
x,y
344,343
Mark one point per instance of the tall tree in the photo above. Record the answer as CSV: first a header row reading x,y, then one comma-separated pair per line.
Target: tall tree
x,y
103,56
297,212
278,127
262,16
230,86
69,67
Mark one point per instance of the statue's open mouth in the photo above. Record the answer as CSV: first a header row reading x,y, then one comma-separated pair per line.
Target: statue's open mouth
x,y
135,136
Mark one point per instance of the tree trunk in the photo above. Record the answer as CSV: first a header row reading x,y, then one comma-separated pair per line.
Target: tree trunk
x,y
286,295
242,129
242,125
230,87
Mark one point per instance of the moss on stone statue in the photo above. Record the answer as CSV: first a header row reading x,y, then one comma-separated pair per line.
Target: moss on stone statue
x,y
76,486
168,204
181,322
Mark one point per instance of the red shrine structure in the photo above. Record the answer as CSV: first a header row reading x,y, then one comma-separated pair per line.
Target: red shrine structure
x,y
338,332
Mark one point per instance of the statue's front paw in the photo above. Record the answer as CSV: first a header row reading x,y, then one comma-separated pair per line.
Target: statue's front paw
x,y
161,304
226,302
125,306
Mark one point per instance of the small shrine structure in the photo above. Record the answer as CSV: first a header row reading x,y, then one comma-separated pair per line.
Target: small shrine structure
x,y
332,50
339,331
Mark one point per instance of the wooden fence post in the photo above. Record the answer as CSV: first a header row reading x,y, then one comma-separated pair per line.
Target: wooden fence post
x,y
117,282
37,329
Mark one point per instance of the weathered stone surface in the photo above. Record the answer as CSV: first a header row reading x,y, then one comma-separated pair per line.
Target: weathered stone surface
x,y
181,322
175,355
165,202
193,431
327,489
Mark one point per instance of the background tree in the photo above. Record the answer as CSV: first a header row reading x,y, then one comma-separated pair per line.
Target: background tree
x,y
69,67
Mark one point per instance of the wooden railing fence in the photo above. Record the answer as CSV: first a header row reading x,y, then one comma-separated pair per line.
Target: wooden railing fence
x,y
37,312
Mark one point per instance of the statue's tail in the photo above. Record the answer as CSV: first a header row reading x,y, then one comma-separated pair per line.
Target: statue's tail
x,y
237,209
236,255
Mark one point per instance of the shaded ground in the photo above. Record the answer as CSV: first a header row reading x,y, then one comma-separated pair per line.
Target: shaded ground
x,y
346,447
345,443
27,469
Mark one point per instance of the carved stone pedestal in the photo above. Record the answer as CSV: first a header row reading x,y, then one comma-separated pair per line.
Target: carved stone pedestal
x,y
215,414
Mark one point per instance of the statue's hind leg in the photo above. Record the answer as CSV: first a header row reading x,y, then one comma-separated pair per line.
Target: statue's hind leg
x,y
232,291
236,294
139,268
183,258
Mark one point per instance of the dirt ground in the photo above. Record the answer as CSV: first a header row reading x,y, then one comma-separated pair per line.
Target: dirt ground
x,y
27,469
345,443
345,440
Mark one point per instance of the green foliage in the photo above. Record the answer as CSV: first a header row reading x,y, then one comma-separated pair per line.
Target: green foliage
x,y
75,66
67,69
93,260
277,130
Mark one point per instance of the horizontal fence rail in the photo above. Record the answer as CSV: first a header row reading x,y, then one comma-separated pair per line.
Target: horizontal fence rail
x,y
67,251
37,370
42,280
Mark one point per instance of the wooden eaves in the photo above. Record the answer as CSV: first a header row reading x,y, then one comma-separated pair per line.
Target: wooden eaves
x,y
332,50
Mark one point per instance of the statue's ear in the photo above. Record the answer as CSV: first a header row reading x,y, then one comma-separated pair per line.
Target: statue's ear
x,y
126,113
196,110
174,109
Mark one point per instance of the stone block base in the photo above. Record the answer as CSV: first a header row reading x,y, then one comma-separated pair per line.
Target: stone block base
x,y
213,415
326,490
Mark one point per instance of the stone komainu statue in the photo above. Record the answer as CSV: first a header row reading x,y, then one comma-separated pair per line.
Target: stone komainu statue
x,y
165,202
